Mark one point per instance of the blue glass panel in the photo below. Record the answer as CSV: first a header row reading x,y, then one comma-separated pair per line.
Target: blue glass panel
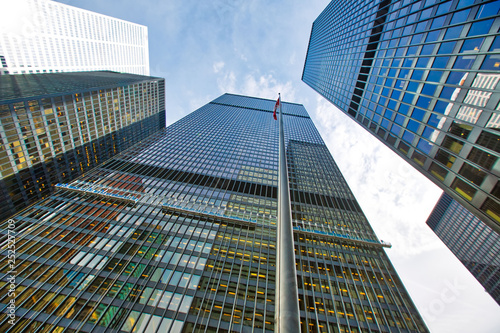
x,y
404,73
421,26
401,21
429,89
464,62
434,76
412,51
426,14
408,136
460,16
397,62
412,86
392,104
403,109
413,125
415,7
399,119
446,48
489,9
407,30
433,120
447,92
423,102
440,62
427,133
464,3
432,36
385,123
472,45
438,22
400,52
491,62
417,74
417,113
443,8
427,49
422,62
416,39
455,77
453,32
395,129
376,118
440,106
424,146
429,3
404,41
408,62
408,98
388,114
480,28
495,46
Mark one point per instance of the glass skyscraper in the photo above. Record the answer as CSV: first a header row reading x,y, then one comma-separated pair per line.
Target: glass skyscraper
x,y
178,234
54,127
43,36
422,76
475,244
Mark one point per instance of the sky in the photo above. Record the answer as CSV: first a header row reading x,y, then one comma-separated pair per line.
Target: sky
x,y
257,48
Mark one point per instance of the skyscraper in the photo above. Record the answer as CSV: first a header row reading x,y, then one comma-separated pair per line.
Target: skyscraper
x,y
54,127
422,76
179,232
42,36
475,244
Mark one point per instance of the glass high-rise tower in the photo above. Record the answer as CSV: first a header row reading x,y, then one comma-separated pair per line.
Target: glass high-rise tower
x,y
54,127
43,36
475,244
178,234
422,76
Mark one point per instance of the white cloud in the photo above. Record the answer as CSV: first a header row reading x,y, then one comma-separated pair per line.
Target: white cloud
x,y
266,86
227,82
218,66
263,86
395,197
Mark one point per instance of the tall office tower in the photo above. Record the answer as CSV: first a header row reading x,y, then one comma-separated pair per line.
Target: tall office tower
x,y
475,244
42,36
422,76
178,234
54,127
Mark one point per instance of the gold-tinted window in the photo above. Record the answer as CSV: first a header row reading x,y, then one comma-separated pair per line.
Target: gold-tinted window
x,y
453,144
464,189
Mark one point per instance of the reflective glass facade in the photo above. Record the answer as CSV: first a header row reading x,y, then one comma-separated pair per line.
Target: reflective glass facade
x,y
54,127
178,234
422,76
475,244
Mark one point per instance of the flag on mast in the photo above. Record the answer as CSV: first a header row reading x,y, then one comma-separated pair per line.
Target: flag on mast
x,y
276,106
